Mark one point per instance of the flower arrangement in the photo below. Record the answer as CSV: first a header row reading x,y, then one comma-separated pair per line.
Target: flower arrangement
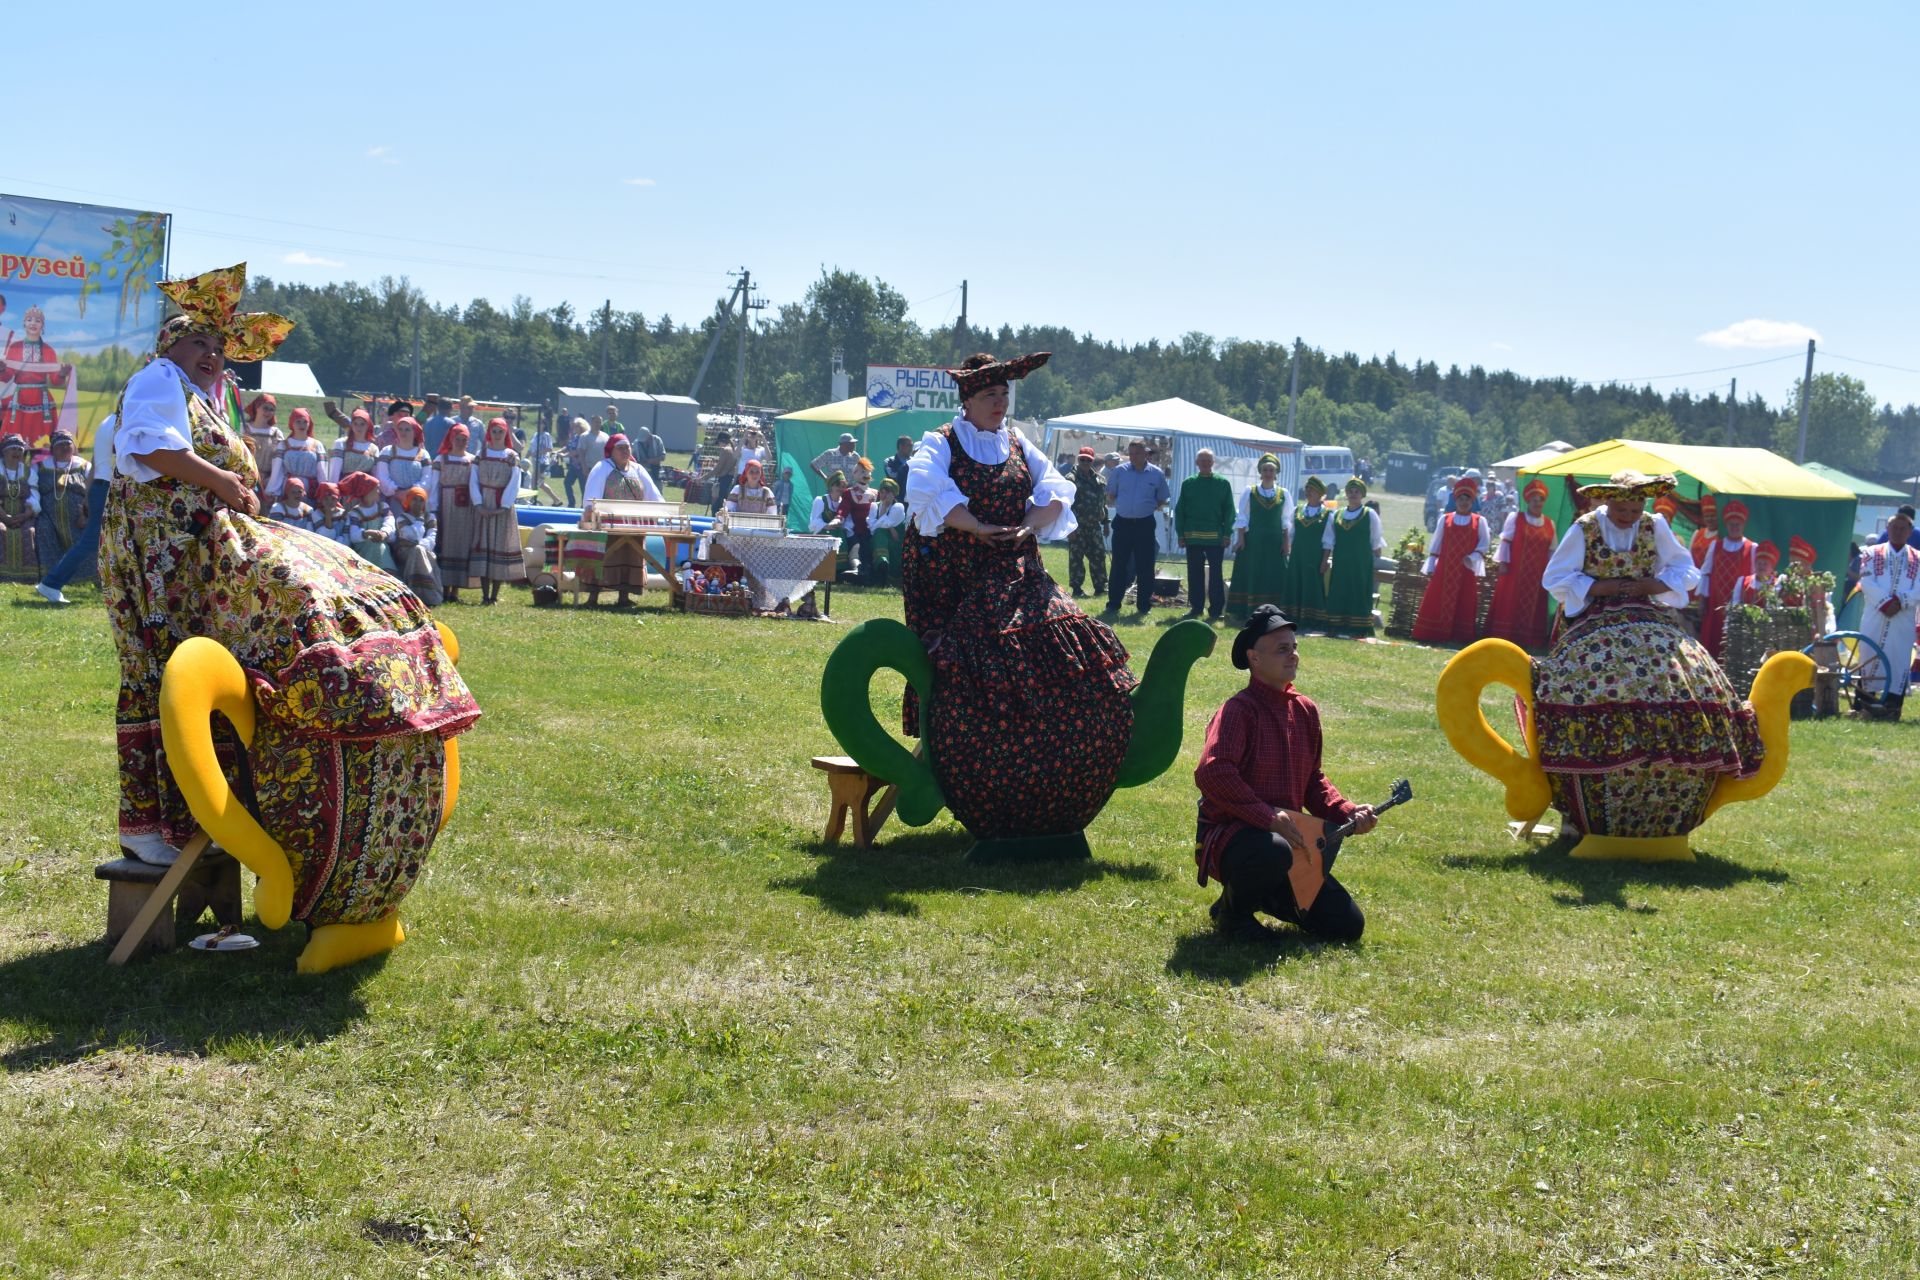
x,y
1412,545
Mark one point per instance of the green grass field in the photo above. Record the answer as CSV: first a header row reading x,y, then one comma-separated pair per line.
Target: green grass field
x,y
645,1025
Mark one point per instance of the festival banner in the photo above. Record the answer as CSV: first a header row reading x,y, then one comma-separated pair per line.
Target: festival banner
x,y
896,386
79,310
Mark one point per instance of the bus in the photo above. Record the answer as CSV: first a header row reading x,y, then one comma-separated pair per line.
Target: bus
x,y
1331,462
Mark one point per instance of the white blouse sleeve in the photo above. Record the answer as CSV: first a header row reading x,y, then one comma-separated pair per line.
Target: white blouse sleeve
x,y
154,418
1049,486
1433,543
1675,567
384,476
1327,531
931,492
1563,578
597,481
817,518
1477,560
1379,534
1503,554
1246,507
473,486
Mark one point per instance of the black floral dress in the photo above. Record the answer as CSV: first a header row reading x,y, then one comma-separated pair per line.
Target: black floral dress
x,y
1031,714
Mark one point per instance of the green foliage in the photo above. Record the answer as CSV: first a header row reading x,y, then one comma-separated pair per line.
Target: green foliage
x,y
1842,429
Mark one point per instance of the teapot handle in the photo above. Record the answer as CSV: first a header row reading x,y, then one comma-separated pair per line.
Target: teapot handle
x,y
1457,699
201,678
845,704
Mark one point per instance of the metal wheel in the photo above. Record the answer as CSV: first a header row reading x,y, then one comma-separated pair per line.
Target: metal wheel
x,y
1861,659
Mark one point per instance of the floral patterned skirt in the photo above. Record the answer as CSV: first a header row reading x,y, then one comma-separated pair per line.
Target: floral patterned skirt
x,y
1643,801
1627,685
344,661
1031,713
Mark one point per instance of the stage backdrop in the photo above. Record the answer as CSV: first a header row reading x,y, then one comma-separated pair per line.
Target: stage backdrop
x,y
78,310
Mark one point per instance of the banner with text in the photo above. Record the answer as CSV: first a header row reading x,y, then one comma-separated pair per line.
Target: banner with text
x,y
78,311
903,386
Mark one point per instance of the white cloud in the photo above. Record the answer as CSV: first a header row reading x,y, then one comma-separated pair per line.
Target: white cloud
x,y
382,153
639,182
301,258
1759,335
1503,346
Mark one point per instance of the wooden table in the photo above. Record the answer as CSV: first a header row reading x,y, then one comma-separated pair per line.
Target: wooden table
x,y
671,540
826,574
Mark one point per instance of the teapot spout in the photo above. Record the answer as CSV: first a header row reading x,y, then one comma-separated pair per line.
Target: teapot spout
x,y
1159,701
1784,675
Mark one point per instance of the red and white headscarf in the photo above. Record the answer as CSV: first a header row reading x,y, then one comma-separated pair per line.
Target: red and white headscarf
x,y
614,440
499,425
457,431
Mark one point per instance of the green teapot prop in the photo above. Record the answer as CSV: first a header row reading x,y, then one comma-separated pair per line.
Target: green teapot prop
x,y
1018,753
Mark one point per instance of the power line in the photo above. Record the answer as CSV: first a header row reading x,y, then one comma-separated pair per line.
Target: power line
x,y
1692,373
1878,364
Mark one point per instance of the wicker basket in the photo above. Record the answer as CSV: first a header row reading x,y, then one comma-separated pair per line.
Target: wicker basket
x,y
732,604
1750,643
1409,584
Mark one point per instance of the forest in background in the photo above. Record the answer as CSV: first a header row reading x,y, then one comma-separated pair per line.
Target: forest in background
x,y
359,337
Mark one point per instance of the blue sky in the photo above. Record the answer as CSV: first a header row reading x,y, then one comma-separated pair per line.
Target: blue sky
x,y
1604,192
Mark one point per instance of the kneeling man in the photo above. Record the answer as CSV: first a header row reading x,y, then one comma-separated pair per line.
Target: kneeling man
x,y
1261,758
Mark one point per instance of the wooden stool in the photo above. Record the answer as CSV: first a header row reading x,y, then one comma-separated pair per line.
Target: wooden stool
x,y
139,893
852,789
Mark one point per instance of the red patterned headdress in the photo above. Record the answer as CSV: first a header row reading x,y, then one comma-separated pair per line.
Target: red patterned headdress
x,y
983,371
356,485
1800,551
1768,552
1732,509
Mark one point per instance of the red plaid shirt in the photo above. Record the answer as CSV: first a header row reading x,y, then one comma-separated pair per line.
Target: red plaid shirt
x,y
1262,754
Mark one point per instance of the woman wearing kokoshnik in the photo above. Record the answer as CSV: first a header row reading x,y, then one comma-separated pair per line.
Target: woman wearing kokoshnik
x,y
1347,550
1263,531
354,691
1306,592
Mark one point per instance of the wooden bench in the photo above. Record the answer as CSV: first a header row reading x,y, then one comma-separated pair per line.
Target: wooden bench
x,y
852,790
139,893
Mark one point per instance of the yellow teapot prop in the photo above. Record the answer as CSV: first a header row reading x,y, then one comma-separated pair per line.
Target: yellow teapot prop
x,y
202,677
1617,808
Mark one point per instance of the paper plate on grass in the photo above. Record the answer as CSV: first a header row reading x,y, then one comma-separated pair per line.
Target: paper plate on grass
x,y
224,942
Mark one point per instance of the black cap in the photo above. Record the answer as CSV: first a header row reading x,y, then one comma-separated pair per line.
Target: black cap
x,y
1263,619
1906,511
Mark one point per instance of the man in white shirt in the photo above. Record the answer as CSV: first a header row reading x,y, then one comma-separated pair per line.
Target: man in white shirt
x,y
1890,590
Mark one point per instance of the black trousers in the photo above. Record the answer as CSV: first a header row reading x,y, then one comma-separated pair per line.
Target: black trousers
x,y
1205,580
1134,549
1254,866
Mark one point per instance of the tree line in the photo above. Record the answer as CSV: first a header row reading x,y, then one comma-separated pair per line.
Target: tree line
x,y
360,337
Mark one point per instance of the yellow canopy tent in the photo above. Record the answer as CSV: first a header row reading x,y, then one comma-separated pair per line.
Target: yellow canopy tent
x,y
1782,499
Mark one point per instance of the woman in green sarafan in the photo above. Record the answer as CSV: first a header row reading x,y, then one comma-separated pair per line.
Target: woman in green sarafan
x,y
1351,542
1260,544
1306,590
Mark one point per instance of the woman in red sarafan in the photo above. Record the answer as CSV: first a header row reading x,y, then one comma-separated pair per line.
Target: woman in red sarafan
x,y
32,370
1519,609
1456,558
1729,564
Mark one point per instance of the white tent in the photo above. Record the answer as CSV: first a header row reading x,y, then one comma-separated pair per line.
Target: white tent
x,y
1178,429
1507,469
286,378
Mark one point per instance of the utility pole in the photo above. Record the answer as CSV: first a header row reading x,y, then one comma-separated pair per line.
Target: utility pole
x,y
748,305
414,388
1293,391
723,313
606,338
960,330
460,383
1733,398
1806,400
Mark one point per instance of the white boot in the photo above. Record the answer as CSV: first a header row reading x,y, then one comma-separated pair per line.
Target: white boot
x,y
52,595
150,848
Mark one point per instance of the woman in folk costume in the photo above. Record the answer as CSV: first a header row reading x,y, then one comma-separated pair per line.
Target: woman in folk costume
x,y
620,477
414,538
1262,531
453,483
62,481
889,527
1628,702
1038,688
292,508
300,457
751,495
1527,541
404,464
1456,560
369,524
263,433
33,369
1729,562
1347,550
19,512
355,693
1703,536
496,493
1305,596
356,450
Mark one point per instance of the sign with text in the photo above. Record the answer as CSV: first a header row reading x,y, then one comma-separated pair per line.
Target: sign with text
x,y
79,309
905,386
